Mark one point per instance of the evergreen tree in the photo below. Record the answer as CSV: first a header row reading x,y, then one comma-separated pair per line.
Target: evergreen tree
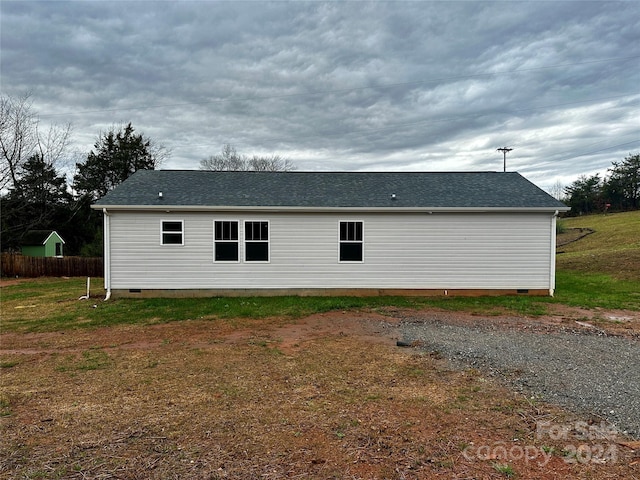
x,y
585,195
38,200
622,188
116,157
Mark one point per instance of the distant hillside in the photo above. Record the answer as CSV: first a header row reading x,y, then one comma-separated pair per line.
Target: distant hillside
x,y
613,247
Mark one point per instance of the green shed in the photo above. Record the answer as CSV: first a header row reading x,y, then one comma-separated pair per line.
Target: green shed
x,y
42,243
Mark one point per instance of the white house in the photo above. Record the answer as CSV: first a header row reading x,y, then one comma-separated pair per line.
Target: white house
x,y
187,233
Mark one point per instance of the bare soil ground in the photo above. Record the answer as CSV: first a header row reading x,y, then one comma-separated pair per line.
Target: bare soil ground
x,y
328,396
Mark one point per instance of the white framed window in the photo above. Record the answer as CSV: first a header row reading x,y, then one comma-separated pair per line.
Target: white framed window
x,y
256,241
351,241
172,232
226,241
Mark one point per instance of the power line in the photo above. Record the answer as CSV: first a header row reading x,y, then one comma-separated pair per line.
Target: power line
x,y
600,150
555,161
342,90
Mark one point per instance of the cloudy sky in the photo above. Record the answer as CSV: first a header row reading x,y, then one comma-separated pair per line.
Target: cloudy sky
x,y
407,86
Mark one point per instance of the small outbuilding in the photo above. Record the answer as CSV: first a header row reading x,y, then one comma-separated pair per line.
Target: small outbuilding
x,y
42,243
170,232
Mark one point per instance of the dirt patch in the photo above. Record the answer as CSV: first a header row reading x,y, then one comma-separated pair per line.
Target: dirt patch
x,y
571,235
7,282
327,396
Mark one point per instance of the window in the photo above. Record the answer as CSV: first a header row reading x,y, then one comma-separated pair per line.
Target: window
x,y
256,241
226,242
58,249
351,243
172,232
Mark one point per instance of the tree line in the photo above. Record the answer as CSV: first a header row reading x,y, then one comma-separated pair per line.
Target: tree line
x,y
37,194
618,191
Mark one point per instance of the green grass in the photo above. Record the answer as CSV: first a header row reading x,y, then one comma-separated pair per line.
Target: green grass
x,y
505,469
52,304
594,290
613,248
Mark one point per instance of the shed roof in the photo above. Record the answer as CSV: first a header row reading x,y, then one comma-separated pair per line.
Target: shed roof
x,y
38,237
329,190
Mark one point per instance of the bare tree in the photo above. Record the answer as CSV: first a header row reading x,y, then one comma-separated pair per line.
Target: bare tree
x,y
52,144
229,160
273,163
18,137
557,191
21,138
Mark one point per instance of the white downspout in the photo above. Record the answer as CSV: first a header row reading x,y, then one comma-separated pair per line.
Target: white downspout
x,y
107,253
552,255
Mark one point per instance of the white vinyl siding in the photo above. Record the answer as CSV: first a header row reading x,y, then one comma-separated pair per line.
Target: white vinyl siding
x,y
403,250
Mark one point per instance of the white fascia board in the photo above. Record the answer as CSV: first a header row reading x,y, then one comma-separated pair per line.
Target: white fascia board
x,y
226,208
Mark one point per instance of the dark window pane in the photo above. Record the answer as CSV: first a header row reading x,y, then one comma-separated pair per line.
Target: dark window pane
x,y
351,231
256,231
226,230
350,252
257,252
171,226
343,231
172,238
226,252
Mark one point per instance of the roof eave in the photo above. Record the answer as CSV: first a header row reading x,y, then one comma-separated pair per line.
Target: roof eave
x,y
226,208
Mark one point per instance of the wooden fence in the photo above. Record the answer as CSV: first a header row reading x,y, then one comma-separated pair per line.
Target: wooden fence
x,y
16,265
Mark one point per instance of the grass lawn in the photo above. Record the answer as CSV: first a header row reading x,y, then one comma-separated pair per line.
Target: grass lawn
x,y
27,307
613,248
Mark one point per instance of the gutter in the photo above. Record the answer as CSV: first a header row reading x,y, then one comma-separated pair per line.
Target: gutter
x,y
107,253
227,208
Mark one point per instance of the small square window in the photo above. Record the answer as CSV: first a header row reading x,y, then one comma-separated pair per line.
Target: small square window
x,y
172,232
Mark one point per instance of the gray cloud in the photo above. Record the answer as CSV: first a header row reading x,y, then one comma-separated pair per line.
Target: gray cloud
x,y
341,86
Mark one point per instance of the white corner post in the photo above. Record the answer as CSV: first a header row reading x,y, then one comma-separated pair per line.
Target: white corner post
x,y
106,238
552,255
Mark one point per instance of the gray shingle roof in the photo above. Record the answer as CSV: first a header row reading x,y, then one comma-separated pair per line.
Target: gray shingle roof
x,y
458,190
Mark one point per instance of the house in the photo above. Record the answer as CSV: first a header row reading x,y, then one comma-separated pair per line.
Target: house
x,y
42,243
185,233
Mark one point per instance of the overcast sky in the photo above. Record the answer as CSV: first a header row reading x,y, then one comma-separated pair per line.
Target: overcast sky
x,y
407,86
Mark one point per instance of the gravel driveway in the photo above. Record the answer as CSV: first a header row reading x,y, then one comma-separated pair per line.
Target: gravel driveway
x,y
586,372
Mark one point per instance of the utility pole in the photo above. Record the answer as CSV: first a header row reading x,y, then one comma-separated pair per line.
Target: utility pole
x,y
504,151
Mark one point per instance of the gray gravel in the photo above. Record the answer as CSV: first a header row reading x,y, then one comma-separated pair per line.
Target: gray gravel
x,y
591,373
